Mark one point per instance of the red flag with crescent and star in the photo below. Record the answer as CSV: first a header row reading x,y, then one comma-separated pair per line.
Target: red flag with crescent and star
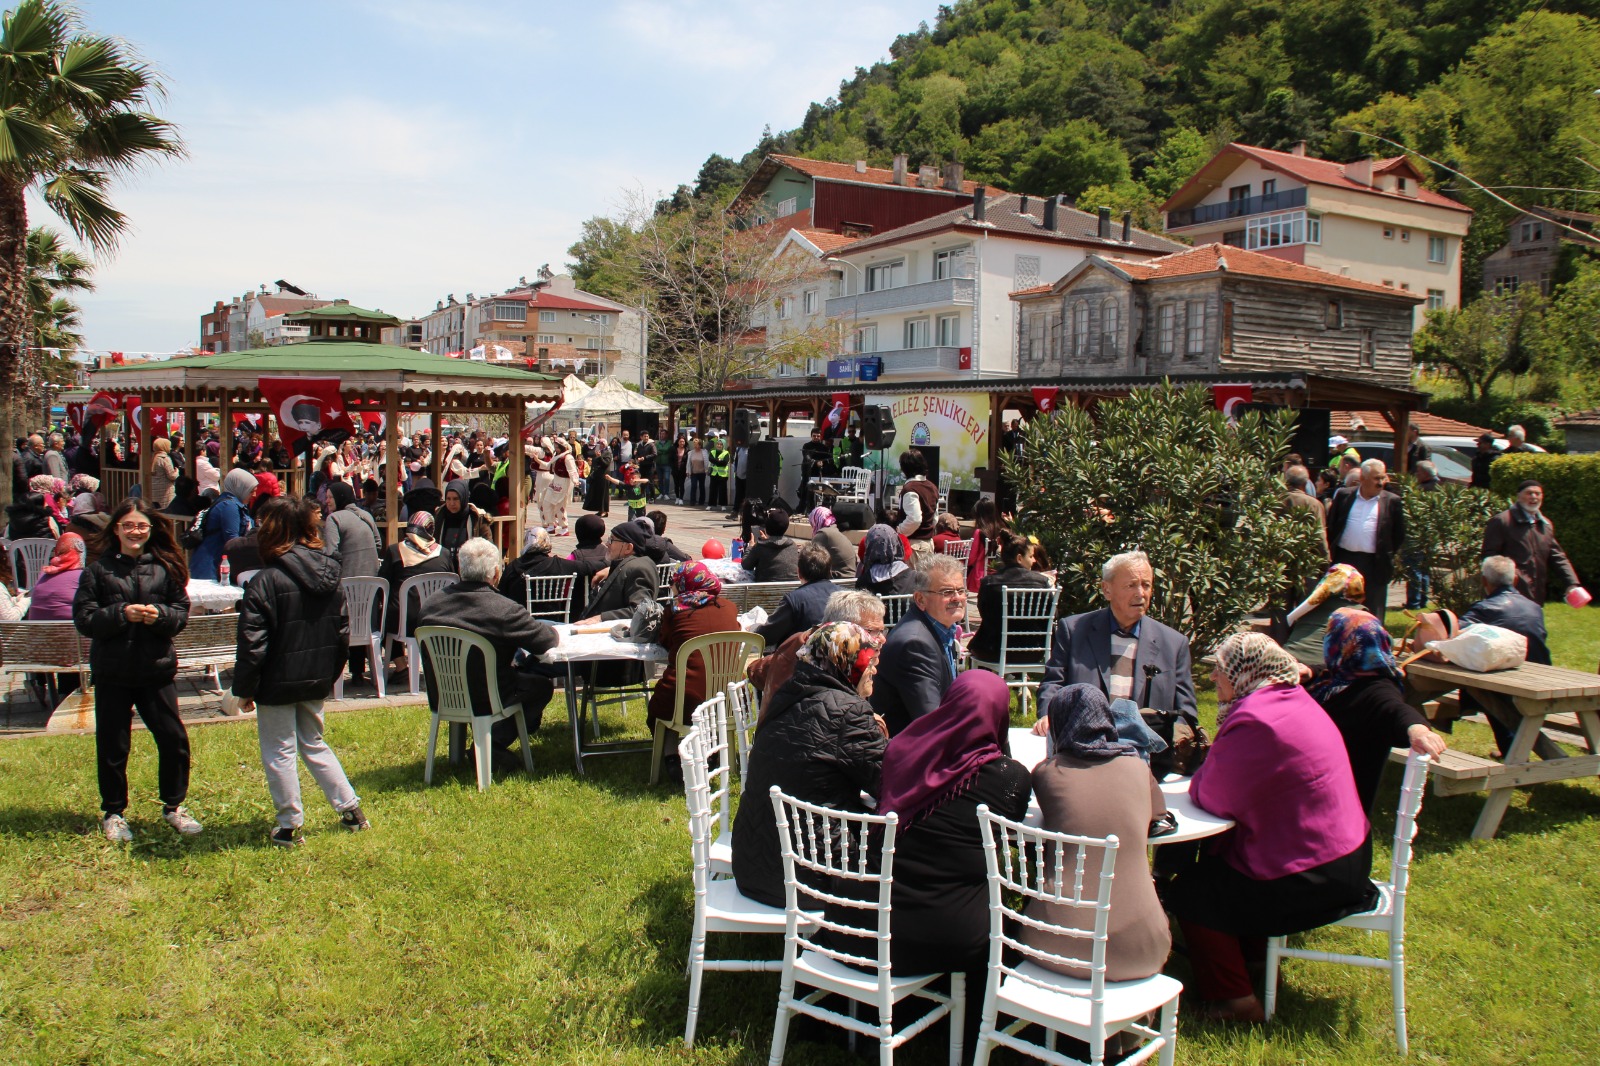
x,y
1047,399
101,408
1229,397
307,407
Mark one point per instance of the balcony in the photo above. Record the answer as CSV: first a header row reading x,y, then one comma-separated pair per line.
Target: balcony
x,y
914,361
1253,205
946,292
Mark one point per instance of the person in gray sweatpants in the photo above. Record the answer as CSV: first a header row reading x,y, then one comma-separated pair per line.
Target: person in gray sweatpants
x,y
293,640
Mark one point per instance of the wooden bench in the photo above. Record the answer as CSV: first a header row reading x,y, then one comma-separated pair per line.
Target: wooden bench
x,y
50,648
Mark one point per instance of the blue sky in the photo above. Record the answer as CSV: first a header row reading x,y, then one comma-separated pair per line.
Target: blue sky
x,y
394,151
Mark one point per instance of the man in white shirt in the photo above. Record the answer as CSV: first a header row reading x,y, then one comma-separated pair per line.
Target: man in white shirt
x,y
918,502
1366,526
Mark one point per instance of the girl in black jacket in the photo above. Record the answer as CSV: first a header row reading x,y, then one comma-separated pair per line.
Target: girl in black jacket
x,y
294,637
130,604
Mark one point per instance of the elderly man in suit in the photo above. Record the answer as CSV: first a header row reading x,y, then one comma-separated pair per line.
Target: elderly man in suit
x,y
1120,650
918,662
1366,526
630,579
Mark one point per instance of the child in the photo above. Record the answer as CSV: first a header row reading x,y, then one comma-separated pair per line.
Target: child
x,y
634,490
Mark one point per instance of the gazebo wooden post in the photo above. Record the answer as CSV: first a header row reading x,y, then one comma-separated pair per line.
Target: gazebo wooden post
x,y
146,441
1401,418
516,492
393,465
224,432
436,442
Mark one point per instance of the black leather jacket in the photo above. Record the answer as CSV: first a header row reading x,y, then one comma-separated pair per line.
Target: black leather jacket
x,y
1510,609
123,652
294,630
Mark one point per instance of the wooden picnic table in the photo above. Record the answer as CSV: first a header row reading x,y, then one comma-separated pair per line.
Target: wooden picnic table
x,y
1528,695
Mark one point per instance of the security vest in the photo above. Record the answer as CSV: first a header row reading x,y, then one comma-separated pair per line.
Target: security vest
x,y
633,495
841,452
719,462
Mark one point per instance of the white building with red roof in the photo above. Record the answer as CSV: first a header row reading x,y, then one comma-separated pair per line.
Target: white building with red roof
x,y
1373,220
1215,309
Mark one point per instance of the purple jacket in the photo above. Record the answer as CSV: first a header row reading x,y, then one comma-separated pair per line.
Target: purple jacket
x,y
1278,768
52,597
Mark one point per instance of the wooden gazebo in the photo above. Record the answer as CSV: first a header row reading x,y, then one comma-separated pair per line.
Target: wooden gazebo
x,y
379,378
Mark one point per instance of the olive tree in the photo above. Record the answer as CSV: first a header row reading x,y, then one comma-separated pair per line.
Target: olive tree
x,y
1163,471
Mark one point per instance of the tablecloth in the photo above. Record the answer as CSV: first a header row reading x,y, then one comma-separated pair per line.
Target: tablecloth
x,y
588,647
205,595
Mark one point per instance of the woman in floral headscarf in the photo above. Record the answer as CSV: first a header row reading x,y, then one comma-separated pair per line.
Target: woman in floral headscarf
x,y
1342,586
696,610
1298,856
52,489
1361,693
819,741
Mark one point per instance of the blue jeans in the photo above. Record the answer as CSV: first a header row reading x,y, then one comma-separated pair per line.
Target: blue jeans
x,y
1419,582
664,473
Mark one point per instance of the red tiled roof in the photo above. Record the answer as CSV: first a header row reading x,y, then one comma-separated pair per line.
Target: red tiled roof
x,y
1580,418
549,301
1208,258
817,168
1005,215
826,241
1429,425
1036,290
1315,171
277,305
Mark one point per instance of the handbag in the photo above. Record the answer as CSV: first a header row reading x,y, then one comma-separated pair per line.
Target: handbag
x,y
643,628
1163,824
1187,745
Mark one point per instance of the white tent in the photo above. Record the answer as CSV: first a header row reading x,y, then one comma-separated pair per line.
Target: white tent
x,y
609,397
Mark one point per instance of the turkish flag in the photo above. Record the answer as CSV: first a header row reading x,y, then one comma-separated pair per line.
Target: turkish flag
x,y
1047,399
139,415
838,416
964,359
307,408
1229,397
100,409
75,415
117,359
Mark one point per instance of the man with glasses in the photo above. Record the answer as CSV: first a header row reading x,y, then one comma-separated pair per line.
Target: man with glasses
x,y
919,659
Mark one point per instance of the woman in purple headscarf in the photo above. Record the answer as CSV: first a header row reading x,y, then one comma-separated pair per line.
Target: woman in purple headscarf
x,y
841,553
696,609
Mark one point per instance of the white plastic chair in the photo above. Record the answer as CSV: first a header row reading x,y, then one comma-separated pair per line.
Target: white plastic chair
x,y
1024,638
745,707
448,650
946,479
550,598
861,484
426,585
723,656
958,549
719,907
1060,869
241,580
895,607
365,598
1389,916
29,556
664,572
833,848
710,720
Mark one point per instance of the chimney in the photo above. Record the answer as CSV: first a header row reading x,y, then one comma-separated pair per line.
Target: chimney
x,y
954,174
900,169
1051,204
861,166
1360,171
1024,208
1298,149
1127,227
978,204
928,177
1105,224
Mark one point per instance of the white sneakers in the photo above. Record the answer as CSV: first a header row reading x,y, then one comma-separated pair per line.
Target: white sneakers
x,y
181,820
116,829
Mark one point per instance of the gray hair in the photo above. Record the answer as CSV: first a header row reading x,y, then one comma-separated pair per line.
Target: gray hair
x,y
1123,561
933,565
478,559
1428,465
1499,571
1517,433
1374,467
853,605
57,440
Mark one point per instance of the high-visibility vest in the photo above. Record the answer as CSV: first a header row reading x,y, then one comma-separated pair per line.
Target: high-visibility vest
x,y
719,463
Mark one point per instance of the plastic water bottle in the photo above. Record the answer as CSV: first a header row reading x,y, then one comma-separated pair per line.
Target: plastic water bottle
x,y
223,570
738,549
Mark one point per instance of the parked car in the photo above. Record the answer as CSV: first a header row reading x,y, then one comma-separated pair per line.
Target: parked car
x,y
1468,444
1453,465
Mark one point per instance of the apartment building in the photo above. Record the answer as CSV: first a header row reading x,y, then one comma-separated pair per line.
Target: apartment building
x,y
246,320
854,200
1532,253
1372,219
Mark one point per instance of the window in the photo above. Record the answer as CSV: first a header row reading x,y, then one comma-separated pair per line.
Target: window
x,y
808,301
1405,235
1290,227
945,263
1166,328
865,339
948,330
1227,327
786,207
1334,318
1400,183
1388,233
1269,188
1435,299
1080,327
1238,193
1369,348
917,333
1544,284
1435,249
591,342
886,275
1505,284
1110,327
785,307
1195,328
1388,283
1034,335
547,316
1532,231
509,311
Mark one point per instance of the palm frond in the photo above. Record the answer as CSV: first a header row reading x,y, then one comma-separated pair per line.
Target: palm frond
x,y
93,72
122,140
77,195
26,141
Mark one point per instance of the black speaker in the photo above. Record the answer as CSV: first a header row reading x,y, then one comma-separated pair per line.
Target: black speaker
x,y
1313,425
877,427
761,472
853,515
641,421
746,427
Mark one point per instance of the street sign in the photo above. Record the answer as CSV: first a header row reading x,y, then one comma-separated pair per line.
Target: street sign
x,y
869,369
839,368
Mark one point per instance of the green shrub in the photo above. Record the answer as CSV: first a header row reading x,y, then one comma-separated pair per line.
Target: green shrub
x,y
1446,527
1164,471
1571,500
1500,412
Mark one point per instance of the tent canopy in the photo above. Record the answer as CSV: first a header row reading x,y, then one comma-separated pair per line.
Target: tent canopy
x,y
610,396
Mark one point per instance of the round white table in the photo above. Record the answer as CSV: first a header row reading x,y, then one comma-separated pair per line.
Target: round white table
x,y
208,597
596,647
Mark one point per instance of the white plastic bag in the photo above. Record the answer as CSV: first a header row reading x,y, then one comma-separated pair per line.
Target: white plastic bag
x,y
753,619
1484,648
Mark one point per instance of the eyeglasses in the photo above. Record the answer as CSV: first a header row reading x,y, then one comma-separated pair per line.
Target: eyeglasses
x,y
949,594
142,527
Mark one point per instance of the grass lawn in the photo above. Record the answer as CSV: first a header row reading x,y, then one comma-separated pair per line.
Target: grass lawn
x,y
547,921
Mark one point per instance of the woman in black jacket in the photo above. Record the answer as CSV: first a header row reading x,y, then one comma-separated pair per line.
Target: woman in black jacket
x,y
1016,572
294,637
819,741
538,560
130,603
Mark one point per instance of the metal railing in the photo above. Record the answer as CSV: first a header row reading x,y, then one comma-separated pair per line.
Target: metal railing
x,y
946,292
1251,205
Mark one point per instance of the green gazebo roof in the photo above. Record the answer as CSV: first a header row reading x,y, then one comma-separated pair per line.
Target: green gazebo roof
x,y
344,311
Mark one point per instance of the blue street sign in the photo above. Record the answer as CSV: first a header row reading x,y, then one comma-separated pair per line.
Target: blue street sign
x,y
869,369
839,368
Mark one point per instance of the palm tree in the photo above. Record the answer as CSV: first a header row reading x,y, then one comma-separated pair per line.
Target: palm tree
x,y
73,116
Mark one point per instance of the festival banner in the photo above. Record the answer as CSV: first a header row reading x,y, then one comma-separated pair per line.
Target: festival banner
x,y
1229,397
957,423
1047,399
307,409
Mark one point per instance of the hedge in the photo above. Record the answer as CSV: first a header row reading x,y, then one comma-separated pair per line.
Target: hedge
x,y
1571,500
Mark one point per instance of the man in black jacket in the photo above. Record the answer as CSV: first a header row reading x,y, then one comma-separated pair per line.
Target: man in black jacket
x,y
775,555
1366,526
475,604
630,579
802,608
918,663
1507,608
